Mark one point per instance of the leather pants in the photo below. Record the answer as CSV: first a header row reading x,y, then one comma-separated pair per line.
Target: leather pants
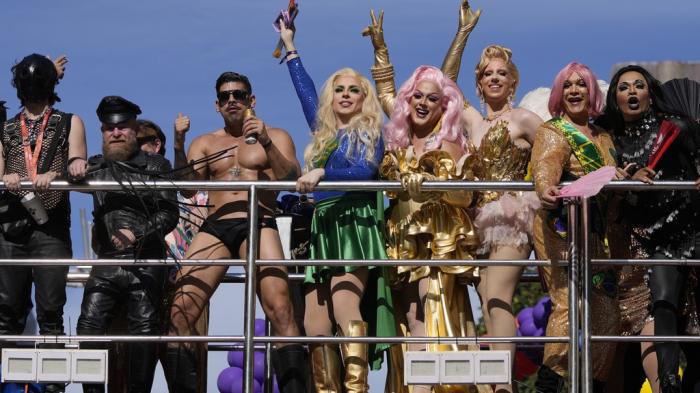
x,y
141,290
50,282
668,291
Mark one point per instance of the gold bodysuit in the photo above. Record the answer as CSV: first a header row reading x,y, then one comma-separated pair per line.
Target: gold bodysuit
x,y
502,219
551,157
438,228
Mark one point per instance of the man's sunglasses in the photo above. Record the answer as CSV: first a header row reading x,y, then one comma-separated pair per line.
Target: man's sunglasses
x,y
238,95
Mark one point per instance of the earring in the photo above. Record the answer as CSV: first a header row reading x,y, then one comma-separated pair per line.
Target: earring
x,y
482,103
511,98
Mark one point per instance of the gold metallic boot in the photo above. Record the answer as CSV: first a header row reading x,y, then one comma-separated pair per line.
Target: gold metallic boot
x,y
325,366
355,358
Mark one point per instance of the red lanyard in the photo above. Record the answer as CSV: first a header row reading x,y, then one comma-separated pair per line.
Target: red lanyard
x,y
31,160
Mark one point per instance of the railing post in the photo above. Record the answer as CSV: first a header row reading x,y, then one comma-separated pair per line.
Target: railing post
x,y
573,232
586,350
268,387
250,282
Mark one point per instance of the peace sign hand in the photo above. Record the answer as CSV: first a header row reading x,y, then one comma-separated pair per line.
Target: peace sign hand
x,y
375,31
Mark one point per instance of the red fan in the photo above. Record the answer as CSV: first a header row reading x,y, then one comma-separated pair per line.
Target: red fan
x,y
683,95
668,132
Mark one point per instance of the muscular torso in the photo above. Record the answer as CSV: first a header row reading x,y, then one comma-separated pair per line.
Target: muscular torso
x,y
244,162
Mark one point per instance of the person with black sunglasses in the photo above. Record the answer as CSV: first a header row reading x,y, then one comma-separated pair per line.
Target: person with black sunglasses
x,y
245,148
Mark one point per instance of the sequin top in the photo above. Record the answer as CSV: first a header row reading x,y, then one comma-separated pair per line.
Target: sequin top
x,y
340,164
671,218
553,160
306,91
499,159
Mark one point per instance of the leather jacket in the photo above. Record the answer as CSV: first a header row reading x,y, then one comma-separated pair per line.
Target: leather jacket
x,y
149,214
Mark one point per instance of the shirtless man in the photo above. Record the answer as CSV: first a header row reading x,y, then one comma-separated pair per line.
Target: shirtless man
x,y
223,234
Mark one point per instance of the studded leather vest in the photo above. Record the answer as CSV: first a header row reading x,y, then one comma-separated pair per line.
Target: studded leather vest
x,y
54,153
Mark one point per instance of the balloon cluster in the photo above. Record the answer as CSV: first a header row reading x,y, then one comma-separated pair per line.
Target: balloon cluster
x,y
532,321
231,379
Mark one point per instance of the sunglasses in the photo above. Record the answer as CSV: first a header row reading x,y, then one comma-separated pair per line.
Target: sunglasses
x,y
238,95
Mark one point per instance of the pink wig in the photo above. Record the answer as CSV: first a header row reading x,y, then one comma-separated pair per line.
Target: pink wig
x,y
595,95
397,130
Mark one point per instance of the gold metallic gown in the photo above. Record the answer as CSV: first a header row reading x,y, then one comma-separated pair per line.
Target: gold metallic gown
x,y
551,157
438,228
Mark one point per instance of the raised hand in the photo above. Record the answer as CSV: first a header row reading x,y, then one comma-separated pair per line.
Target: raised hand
x,y
182,125
467,17
60,64
287,36
375,30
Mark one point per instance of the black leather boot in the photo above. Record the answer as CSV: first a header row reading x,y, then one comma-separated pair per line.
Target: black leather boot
x,y
549,382
181,369
291,368
670,383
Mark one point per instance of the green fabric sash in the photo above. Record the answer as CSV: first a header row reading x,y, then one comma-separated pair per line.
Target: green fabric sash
x,y
591,159
584,149
322,158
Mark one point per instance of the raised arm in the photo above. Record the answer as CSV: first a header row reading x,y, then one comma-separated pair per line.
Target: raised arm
x,y
303,84
196,152
382,70
453,59
278,146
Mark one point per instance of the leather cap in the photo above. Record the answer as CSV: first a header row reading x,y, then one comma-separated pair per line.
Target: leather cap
x,y
115,109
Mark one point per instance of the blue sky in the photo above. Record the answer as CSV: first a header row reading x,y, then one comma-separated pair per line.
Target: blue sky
x,y
166,55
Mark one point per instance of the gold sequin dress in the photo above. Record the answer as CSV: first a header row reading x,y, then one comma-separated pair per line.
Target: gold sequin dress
x,y
502,218
553,158
438,228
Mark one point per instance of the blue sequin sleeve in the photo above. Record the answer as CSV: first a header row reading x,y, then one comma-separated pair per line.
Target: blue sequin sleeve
x,y
304,86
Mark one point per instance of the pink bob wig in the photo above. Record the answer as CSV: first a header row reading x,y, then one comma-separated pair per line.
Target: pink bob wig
x,y
595,95
397,130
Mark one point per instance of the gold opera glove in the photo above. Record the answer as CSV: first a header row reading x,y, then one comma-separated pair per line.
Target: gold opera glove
x,y
382,70
325,366
355,356
413,184
453,59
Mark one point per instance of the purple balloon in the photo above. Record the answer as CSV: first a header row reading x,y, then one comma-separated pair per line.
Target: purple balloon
x,y
525,315
260,327
259,366
528,328
539,315
235,359
227,378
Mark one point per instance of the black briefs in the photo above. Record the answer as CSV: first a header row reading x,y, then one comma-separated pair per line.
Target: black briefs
x,y
233,231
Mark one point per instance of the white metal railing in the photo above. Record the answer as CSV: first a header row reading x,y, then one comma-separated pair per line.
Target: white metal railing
x,y
579,265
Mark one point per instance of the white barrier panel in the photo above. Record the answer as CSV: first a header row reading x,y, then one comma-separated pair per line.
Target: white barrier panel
x,y
462,367
54,365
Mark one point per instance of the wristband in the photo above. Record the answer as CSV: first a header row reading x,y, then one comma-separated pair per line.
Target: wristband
x,y
291,52
70,160
266,145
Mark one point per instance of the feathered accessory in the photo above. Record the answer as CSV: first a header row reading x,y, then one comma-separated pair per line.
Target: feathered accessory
x,y
287,16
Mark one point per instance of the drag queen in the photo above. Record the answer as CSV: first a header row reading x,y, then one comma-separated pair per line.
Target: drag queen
x,y
669,229
501,142
346,145
567,147
425,142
